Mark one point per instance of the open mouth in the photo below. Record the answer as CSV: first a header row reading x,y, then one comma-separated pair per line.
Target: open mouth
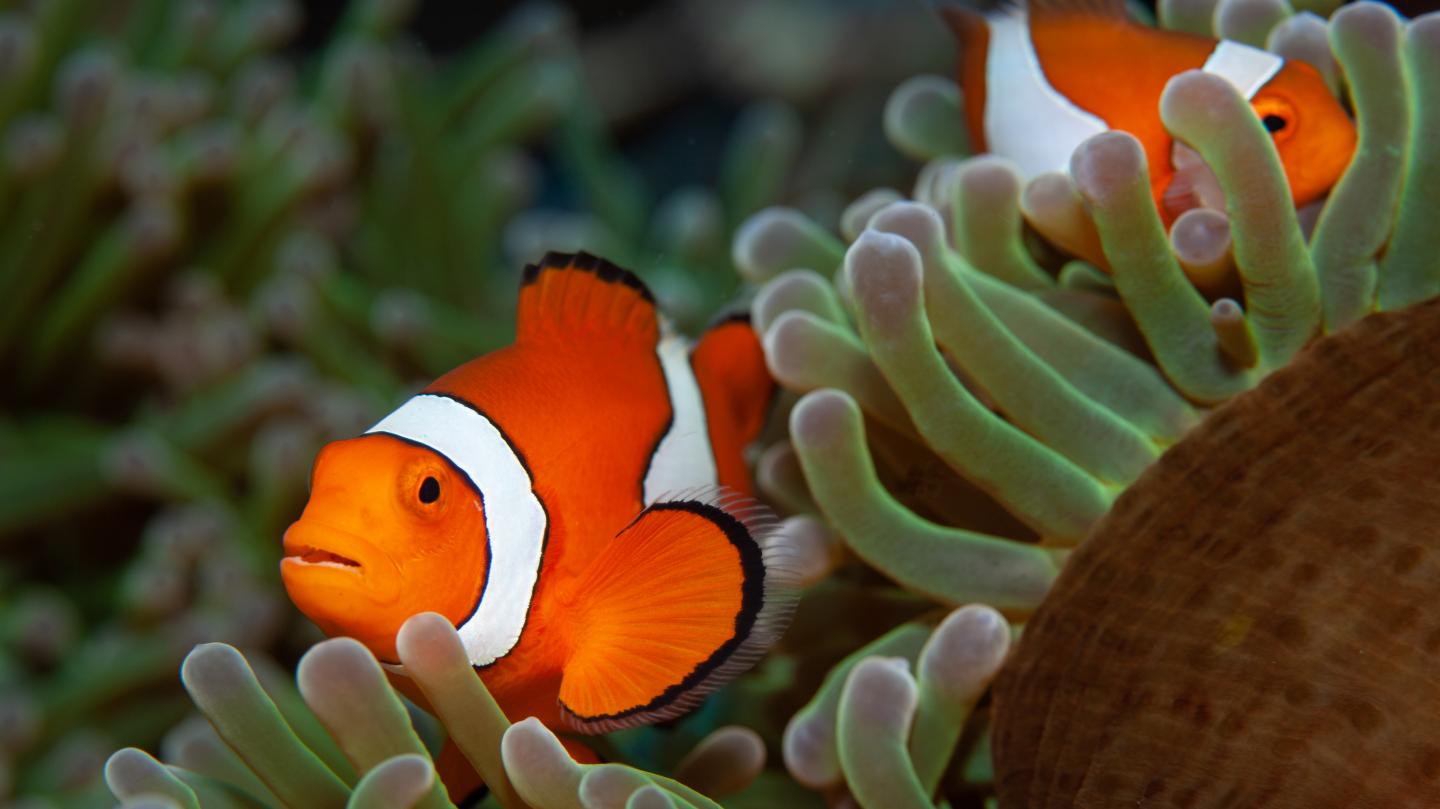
x,y
319,556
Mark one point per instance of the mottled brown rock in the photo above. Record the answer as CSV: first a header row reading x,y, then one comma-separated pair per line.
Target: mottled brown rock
x,y
1257,621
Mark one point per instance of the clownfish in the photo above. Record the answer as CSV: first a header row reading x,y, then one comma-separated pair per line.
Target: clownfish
x,y
577,504
1039,79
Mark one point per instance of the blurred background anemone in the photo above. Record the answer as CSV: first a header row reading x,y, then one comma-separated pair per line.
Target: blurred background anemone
x,y
233,231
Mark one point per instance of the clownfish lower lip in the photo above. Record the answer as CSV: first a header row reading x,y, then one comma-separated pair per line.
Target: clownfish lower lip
x,y
318,556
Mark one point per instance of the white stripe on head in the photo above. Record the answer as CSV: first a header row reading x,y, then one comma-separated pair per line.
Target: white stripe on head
x,y
1246,68
683,459
1027,120
515,521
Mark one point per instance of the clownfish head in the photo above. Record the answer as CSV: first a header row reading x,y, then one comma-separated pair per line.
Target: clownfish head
x,y
391,529
1312,132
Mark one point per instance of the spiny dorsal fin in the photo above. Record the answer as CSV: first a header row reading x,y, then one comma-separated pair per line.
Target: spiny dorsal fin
x,y
569,294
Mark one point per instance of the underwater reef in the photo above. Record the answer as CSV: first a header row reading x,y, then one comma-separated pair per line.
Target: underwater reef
x,y
1041,462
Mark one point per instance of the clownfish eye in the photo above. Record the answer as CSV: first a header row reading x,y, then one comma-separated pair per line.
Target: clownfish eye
x,y
1274,123
429,490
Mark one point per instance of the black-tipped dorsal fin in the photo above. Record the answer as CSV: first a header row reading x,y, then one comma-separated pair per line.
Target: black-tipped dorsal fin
x,y
570,294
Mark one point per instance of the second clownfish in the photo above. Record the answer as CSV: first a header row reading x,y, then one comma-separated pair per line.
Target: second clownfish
x,y
1042,77
576,504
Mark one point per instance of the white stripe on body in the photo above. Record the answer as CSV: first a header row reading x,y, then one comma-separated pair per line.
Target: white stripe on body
x,y
1033,125
1246,68
515,521
684,459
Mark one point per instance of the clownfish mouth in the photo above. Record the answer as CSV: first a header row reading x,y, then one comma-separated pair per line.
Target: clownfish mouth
x,y
308,555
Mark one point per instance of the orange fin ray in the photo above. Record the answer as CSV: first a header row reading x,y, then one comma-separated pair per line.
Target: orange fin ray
x,y
689,595
579,296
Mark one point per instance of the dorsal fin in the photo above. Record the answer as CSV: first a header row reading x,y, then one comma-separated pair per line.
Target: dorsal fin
x,y
566,295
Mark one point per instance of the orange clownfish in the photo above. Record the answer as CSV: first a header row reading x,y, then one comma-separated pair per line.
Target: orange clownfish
x,y
576,504
1041,78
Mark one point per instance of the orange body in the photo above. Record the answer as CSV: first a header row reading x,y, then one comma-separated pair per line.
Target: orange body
x,y
1115,69
645,597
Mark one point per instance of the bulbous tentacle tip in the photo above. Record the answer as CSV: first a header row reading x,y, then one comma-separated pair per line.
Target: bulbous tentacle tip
x,y
790,347
337,660
989,178
808,749
723,763
429,640
965,652
856,216
1202,242
778,239
923,118
210,663
884,275
1366,24
399,782
810,549
880,694
794,290
1304,37
1195,103
1249,21
918,224
1107,165
1424,31
821,417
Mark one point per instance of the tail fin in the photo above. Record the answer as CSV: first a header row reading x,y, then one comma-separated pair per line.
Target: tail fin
x,y
730,369
967,23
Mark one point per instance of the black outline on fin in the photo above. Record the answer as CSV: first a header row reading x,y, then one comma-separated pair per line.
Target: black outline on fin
x,y
601,268
768,599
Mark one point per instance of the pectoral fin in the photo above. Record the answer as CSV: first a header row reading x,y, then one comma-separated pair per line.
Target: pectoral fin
x,y
685,598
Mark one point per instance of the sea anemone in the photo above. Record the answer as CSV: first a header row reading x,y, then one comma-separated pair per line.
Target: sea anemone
x,y
940,345
221,247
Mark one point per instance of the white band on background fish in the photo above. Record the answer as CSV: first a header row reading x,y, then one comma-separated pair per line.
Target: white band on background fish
x,y
514,518
683,459
1035,126
1246,68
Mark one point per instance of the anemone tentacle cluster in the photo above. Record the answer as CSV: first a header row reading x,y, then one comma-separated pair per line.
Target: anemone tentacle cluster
x,y
223,243
976,375
1037,347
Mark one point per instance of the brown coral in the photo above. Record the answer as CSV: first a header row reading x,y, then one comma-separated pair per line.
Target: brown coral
x,y
1250,626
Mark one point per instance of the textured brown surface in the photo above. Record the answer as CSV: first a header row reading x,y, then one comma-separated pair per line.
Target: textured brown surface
x,y
1257,621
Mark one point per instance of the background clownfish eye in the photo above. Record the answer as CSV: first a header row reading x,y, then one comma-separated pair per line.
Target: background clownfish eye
x,y
429,490
1277,116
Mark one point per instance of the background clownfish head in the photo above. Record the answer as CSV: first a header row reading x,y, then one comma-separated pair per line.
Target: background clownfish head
x,y
391,529
1312,132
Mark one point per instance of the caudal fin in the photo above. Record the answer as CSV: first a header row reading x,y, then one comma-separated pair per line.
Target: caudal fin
x,y
689,595
738,391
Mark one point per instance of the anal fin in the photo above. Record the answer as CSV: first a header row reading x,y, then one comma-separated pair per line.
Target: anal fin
x,y
689,595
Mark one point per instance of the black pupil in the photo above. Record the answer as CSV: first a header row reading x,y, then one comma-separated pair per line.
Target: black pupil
x,y
429,490
1273,123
